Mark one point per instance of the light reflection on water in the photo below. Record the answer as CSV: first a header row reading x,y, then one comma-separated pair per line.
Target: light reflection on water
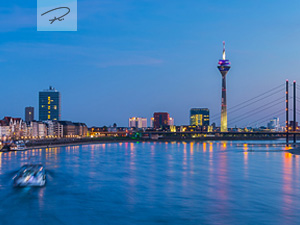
x,y
176,183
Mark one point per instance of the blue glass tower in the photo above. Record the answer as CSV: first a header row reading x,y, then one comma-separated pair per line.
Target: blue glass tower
x,y
224,67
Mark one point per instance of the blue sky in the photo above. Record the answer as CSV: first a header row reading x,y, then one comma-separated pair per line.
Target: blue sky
x,y
135,57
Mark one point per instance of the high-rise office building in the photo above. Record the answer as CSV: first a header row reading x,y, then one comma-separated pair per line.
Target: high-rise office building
x,y
138,122
274,124
49,104
29,114
161,119
199,117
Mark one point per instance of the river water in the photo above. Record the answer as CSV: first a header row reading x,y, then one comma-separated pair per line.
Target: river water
x,y
155,183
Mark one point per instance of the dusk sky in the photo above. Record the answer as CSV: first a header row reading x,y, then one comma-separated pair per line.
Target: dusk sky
x,y
133,58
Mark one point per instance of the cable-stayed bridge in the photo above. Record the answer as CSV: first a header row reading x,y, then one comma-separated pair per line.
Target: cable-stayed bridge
x,y
249,118
258,110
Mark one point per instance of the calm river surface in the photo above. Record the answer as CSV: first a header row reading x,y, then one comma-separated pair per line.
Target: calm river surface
x,y
155,183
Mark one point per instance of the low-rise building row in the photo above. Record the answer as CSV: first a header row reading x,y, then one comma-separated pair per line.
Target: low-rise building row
x,y
17,128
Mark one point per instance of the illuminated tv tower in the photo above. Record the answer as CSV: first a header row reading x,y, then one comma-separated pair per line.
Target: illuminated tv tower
x,y
224,66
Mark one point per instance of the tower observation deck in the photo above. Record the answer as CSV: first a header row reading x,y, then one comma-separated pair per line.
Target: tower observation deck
x,y
224,67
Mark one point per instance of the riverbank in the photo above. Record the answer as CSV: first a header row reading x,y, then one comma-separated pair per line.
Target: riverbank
x,y
47,143
295,151
55,144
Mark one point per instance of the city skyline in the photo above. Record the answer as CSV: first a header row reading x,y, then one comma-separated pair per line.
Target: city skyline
x,y
123,112
112,66
47,93
47,96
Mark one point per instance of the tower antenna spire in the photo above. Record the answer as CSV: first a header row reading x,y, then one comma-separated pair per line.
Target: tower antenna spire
x,y
224,54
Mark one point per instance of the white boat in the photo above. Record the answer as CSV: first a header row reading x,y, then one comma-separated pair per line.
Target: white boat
x,y
18,146
30,175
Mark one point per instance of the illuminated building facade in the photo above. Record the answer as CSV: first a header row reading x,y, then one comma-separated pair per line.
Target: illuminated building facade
x,y
54,128
274,124
171,121
224,67
13,127
152,122
199,117
161,119
49,104
81,129
42,129
138,122
33,129
69,128
29,114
